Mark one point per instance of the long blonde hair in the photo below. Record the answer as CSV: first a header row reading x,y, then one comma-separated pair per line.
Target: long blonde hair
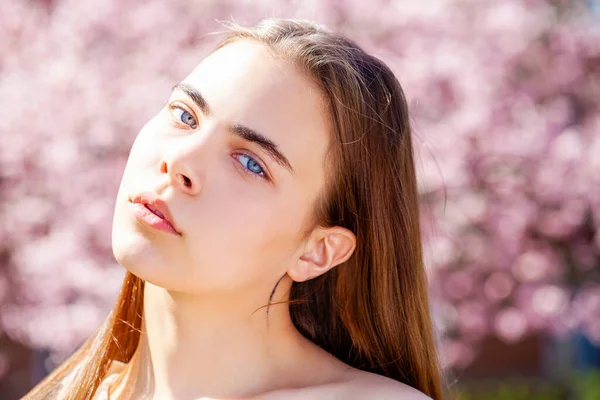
x,y
372,312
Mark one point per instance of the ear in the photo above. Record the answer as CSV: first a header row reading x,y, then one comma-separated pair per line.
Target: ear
x,y
326,248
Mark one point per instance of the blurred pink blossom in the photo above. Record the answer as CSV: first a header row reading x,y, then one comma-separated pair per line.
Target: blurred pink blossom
x,y
505,104
510,324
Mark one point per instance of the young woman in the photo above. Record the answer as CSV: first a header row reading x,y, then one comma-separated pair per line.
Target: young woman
x,y
268,218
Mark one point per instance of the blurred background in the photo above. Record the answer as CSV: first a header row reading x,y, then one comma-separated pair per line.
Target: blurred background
x,y
505,103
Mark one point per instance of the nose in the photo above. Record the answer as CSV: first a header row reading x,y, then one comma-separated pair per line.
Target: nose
x,y
181,175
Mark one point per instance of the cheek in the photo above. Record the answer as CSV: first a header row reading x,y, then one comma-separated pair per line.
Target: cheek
x,y
242,243
146,149
143,162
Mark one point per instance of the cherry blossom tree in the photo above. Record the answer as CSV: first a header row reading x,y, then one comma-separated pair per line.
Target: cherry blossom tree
x,y
504,98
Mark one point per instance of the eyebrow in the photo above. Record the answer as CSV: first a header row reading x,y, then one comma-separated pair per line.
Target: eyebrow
x,y
194,95
239,130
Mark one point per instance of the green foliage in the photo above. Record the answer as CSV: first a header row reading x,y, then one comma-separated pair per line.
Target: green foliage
x,y
587,386
580,386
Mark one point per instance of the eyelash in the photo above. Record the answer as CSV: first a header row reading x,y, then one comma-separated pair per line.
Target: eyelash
x,y
262,176
173,107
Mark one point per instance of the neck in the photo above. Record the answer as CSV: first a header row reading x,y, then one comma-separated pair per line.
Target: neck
x,y
217,346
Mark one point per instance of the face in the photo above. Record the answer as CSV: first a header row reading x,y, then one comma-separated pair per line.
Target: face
x,y
237,154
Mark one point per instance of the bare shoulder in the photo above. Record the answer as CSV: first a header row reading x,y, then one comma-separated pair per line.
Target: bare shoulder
x,y
366,385
355,385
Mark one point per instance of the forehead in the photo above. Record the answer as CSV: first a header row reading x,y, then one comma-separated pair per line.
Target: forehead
x,y
246,83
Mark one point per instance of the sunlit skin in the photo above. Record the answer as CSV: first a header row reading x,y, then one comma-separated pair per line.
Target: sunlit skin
x,y
239,211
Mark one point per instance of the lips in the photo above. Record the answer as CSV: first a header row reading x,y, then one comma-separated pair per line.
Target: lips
x,y
157,206
155,211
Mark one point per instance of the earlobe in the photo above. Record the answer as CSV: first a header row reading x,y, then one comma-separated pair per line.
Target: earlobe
x,y
329,248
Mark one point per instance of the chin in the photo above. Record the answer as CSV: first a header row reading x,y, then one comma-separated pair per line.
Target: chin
x,y
141,257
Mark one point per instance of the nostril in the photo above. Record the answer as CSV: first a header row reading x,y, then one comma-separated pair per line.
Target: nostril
x,y
186,181
163,167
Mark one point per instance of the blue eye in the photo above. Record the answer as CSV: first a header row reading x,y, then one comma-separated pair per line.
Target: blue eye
x,y
251,165
184,116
